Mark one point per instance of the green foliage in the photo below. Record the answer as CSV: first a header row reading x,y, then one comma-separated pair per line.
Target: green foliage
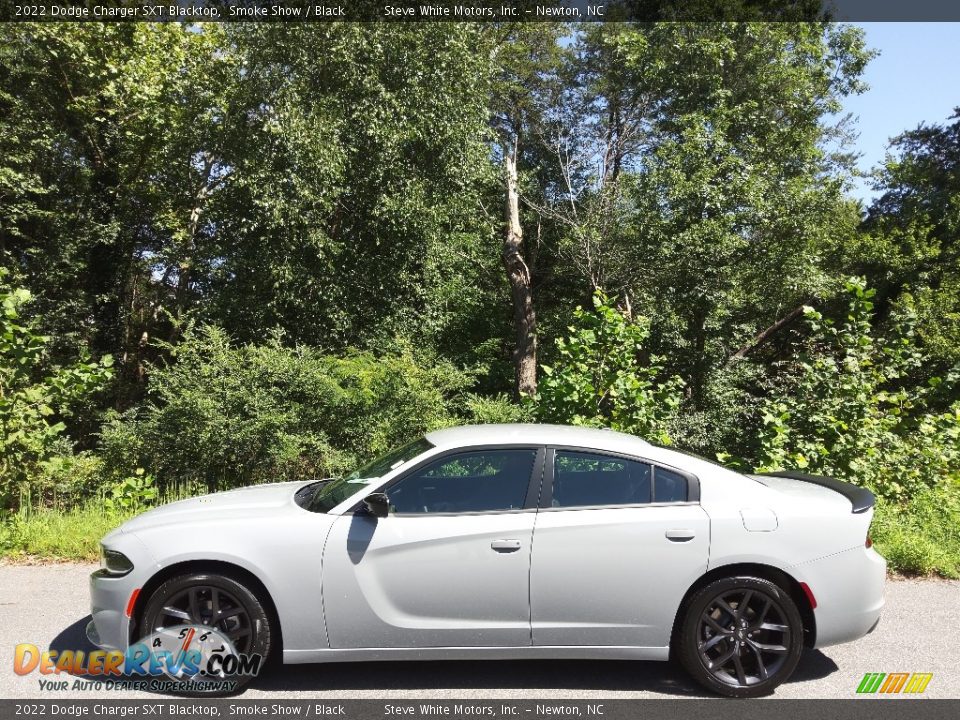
x,y
354,180
34,396
850,410
911,237
47,534
132,494
603,376
922,535
727,207
342,182
480,409
222,415
66,479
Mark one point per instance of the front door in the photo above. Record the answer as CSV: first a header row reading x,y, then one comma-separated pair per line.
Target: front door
x,y
448,567
614,550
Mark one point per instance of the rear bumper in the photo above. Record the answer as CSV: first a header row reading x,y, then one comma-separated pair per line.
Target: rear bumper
x,y
848,588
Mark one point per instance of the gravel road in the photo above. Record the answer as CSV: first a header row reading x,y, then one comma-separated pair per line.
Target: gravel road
x,y
47,605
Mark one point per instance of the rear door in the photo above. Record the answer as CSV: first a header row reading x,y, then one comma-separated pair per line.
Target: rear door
x,y
617,542
449,566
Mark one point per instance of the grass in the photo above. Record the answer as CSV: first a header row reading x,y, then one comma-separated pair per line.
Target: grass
x,y
921,537
58,535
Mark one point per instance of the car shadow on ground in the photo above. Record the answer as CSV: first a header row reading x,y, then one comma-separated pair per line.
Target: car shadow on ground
x,y
73,637
470,675
666,678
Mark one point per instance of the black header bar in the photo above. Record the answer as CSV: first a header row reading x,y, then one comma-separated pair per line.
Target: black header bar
x,y
573,11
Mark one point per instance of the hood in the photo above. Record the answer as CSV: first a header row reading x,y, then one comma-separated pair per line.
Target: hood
x,y
243,502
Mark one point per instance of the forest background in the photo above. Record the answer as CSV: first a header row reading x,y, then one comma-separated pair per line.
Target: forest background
x,y
234,254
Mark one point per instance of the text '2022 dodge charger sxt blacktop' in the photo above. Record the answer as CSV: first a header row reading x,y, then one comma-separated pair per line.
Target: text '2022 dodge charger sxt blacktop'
x,y
510,541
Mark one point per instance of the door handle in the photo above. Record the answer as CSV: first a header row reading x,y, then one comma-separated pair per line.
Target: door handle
x,y
505,546
680,534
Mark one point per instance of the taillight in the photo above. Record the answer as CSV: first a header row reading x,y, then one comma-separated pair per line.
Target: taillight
x,y
809,593
869,541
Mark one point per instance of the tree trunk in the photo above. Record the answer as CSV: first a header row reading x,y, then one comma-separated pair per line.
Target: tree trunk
x,y
761,337
524,316
698,375
193,227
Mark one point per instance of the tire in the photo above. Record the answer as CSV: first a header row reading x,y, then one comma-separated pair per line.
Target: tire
x,y
741,637
248,626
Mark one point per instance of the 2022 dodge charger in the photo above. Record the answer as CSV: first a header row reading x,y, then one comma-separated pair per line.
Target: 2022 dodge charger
x,y
511,541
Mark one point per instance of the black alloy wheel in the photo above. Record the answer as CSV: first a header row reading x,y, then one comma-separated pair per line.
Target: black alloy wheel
x,y
209,606
213,600
741,636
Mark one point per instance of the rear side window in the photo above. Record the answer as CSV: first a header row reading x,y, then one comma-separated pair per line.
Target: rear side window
x,y
669,486
585,479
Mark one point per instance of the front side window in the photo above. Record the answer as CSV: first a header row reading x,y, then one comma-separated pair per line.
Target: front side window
x,y
330,494
586,479
478,481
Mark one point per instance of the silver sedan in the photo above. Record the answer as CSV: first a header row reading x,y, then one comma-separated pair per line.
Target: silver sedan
x,y
510,541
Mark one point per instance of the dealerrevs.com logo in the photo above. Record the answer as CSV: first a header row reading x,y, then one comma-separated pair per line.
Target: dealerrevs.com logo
x,y
186,658
894,683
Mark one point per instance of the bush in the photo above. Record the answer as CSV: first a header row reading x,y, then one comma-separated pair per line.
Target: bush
x,y
850,407
35,396
496,409
220,415
922,535
604,377
134,493
64,480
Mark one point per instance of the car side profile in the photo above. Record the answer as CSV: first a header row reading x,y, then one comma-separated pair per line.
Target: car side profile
x,y
511,541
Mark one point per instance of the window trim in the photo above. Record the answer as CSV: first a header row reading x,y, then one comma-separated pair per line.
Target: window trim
x,y
546,494
531,498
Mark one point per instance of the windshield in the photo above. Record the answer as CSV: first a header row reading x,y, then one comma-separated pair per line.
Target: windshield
x,y
331,494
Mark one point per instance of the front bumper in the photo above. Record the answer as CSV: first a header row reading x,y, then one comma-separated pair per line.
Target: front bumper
x,y
92,635
110,596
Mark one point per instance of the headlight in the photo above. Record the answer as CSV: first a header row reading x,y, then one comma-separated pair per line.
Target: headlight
x,y
115,563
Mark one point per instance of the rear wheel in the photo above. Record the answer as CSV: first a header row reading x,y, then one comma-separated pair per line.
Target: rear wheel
x,y
215,601
741,636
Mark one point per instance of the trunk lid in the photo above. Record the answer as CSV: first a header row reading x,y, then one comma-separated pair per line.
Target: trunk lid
x,y
790,482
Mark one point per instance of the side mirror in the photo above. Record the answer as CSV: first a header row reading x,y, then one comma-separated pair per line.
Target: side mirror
x,y
377,504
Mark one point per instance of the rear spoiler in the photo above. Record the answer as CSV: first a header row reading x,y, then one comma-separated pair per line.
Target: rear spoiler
x,y
861,498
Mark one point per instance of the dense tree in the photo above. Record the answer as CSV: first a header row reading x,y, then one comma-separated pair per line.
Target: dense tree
x,y
35,398
911,242
355,181
462,188
102,126
526,88
323,179
729,208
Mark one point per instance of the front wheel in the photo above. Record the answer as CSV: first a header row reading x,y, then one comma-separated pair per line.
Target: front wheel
x,y
210,601
741,636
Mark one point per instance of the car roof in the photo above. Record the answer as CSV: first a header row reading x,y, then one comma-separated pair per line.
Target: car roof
x,y
536,434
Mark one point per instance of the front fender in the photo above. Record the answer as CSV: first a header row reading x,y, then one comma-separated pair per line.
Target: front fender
x,y
283,554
